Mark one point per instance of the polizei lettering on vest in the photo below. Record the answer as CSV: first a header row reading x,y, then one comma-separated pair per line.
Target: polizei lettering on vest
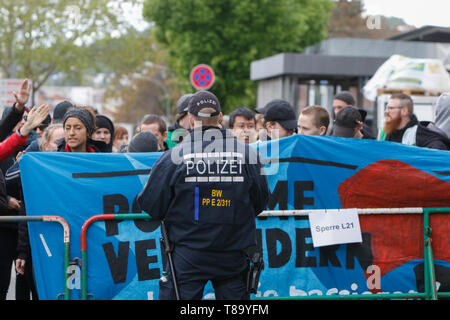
x,y
214,166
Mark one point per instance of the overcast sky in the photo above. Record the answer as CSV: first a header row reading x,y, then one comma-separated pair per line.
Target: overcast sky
x,y
414,12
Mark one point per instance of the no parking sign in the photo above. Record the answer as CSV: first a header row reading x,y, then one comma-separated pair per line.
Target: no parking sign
x,y
202,77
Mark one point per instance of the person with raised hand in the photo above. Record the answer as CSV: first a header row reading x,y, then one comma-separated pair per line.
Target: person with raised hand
x,y
19,138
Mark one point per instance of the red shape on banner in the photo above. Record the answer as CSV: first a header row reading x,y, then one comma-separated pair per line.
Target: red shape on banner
x,y
398,238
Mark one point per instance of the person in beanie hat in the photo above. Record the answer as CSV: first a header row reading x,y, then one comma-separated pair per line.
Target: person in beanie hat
x,y
144,141
60,110
104,130
179,128
79,124
341,100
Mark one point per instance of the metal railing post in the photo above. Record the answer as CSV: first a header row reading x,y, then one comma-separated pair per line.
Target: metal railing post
x,y
66,238
430,275
83,241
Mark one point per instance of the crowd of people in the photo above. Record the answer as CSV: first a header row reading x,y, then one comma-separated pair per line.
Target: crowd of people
x,y
73,128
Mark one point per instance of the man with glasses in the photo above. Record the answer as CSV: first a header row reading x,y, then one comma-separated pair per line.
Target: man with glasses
x,y
401,125
400,121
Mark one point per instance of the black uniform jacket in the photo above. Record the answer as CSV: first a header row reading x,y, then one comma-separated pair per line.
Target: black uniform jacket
x,y
209,189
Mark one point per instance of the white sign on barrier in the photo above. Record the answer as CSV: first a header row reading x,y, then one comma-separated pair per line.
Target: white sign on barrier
x,y
335,227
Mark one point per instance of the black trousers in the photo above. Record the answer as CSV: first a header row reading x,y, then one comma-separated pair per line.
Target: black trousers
x,y
25,283
194,269
8,246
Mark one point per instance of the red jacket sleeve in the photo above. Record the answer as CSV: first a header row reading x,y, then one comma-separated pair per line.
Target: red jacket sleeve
x,y
11,144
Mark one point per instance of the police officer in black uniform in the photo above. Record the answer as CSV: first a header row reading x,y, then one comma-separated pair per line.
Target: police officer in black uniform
x,y
208,190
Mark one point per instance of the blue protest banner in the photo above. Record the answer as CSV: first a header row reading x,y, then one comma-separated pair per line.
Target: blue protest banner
x,y
125,260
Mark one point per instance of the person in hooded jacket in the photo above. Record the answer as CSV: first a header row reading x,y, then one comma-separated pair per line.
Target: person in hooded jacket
x,y
437,133
104,131
79,124
402,125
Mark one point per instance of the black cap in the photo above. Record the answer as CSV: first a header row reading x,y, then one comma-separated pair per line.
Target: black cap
x,y
201,100
282,112
183,102
262,110
347,119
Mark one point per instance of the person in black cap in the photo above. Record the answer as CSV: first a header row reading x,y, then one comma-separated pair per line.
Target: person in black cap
x,y
344,99
280,119
208,190
179,128
104,131
348,123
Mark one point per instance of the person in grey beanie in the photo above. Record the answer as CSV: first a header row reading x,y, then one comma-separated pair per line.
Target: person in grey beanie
x,y
144,141
79,124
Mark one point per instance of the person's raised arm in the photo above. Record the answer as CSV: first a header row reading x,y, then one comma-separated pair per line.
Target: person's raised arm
x,y
35,118
22,95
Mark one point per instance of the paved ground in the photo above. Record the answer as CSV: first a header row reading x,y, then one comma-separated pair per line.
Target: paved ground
x,y
12,292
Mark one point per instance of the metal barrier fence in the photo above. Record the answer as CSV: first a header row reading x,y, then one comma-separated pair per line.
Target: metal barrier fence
x,y
83,242
430,291
66,239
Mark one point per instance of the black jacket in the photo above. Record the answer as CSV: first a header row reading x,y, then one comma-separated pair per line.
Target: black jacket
x,y
428,138
11,116
208,192
98,146
397,135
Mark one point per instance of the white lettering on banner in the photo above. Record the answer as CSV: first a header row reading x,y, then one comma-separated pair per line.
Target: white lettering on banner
x,y
294,292
44,243
335,227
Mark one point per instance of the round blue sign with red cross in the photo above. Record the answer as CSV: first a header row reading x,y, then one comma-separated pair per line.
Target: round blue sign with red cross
x,y
202,77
